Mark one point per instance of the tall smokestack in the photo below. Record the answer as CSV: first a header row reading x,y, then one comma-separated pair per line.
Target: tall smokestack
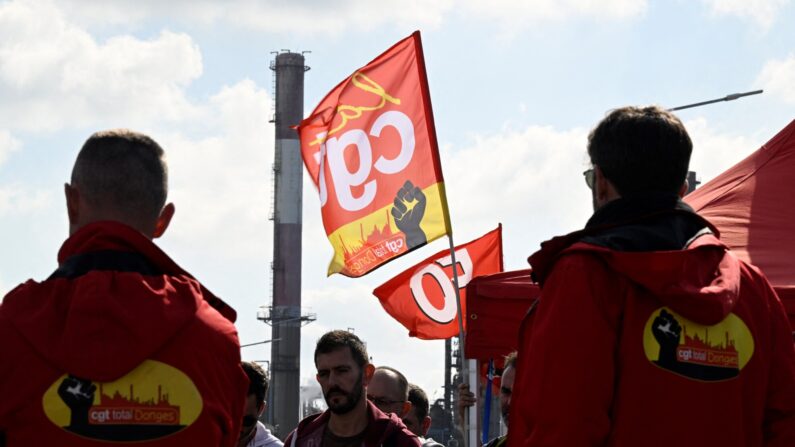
x,y
285,315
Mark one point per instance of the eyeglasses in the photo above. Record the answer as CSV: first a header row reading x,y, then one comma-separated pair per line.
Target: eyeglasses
x,y
590,177
382,401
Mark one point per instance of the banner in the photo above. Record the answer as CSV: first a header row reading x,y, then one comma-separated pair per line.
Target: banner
x,y
422,298
370,148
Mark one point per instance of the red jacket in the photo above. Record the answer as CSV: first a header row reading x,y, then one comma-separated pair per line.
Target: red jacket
x,y
382,430
676,347
119,344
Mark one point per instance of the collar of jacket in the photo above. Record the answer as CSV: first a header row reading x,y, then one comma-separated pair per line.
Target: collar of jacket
x,y
623,211
98,238
380,426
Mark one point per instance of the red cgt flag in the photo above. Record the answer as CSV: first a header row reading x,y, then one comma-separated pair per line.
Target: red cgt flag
x,y
422,298
370,148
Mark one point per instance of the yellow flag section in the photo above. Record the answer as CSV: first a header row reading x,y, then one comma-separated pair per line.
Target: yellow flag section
x,y
363,245
370,148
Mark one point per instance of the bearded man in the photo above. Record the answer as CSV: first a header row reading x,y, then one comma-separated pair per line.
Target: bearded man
x,y
343,372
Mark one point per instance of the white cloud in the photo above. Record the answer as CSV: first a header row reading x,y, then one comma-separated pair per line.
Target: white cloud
x,y
309,17
302,17
762,12
715,151
8,144
18,201
54,74
530,180
220,183
777,78
517,14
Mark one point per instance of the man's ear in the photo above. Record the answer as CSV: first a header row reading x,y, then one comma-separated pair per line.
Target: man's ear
x,y
369,370
405,410
603,189
426,425
72,202
684,188
261,408
163,220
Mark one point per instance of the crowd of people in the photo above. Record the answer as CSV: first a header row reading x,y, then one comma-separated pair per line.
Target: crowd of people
x,y
648,331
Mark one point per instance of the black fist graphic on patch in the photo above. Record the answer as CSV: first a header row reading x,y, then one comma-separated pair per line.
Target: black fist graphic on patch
x,y
693,362
408,220
666,331
78,395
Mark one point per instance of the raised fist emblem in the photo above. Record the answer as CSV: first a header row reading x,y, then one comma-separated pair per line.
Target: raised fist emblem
x,y
78,395
408,210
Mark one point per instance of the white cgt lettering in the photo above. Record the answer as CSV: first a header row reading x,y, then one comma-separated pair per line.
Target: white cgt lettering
x,y
449,309
344,180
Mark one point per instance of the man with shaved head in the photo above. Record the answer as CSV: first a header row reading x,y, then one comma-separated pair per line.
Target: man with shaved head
x,y
389,391
119,344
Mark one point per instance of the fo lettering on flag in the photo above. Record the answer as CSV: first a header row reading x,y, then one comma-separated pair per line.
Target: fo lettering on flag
x,y
423,299
370,148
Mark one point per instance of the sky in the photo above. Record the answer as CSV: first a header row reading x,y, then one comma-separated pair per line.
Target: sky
x,y
516,86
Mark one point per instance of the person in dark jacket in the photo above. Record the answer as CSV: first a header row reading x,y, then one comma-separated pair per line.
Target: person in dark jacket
x,y
344,371
119,344
649,331
418,418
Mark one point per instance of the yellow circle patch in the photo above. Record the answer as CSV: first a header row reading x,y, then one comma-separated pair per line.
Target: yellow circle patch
x,y
152,401
699,352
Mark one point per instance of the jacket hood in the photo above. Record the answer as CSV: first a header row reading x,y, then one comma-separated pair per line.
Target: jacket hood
x,y
664,247
114,301
701,282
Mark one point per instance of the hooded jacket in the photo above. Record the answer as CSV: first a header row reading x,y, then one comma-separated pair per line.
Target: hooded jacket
x,y
385,430
650,332
119,345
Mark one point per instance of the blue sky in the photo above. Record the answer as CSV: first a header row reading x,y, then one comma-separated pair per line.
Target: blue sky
x,y
516,85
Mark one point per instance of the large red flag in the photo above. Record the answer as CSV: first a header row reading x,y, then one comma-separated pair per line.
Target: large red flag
x,y
422,298
370,147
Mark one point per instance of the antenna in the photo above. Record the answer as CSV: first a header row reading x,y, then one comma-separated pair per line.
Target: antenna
x,y
731,97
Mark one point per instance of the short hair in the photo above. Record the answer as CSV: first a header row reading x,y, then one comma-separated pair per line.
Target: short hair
x,y
419,401
641,149
510,361
402,382
123,171
257,380
337,339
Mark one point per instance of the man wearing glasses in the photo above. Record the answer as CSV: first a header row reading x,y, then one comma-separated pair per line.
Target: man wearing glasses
x,y
389,391
344,373
649,331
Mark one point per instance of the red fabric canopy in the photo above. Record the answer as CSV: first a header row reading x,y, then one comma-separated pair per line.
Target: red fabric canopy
x,y
749,203
496,305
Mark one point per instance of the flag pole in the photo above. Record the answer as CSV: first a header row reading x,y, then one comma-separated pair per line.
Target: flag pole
x,y
470,417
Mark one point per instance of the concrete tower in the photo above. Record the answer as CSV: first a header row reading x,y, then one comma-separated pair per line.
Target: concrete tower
x,y
285,314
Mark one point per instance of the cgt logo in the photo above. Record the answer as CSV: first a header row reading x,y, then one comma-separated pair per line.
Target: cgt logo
x,y
395,246
443,288
340,153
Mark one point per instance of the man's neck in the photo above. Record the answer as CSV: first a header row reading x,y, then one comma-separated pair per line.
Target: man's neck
x,y
351,423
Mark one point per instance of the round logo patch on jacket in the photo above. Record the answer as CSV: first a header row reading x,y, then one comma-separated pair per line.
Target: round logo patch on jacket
x,y
153,401
695,351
